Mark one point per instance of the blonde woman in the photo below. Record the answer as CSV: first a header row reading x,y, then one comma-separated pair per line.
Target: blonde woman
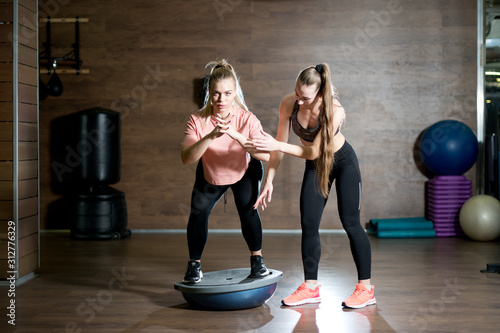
x,y
315,116
217,138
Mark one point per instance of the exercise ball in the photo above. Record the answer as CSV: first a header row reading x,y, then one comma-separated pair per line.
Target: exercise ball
x,y
448,147
480,218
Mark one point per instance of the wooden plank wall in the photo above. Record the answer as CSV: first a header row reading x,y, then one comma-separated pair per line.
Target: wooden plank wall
x,y
399,66
27,134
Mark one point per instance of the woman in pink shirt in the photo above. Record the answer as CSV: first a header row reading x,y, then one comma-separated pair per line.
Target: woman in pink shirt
x,y
219,135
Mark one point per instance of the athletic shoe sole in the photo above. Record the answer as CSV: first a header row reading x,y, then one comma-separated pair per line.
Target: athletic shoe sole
x,y
304,301
260,274
359,306
193,281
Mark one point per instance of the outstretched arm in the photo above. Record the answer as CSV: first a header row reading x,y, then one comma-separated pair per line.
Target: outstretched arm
x,y
276,156
246,143
309,152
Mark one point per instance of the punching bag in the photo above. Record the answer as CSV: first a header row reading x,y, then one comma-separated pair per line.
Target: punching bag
x,y
99,145
54,86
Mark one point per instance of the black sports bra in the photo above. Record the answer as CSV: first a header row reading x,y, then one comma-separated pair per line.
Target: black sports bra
x,y
307,134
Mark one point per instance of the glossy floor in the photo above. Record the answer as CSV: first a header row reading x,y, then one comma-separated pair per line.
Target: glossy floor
x,y
422,285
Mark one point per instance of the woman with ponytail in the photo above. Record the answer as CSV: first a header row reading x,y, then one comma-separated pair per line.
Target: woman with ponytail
x,y
217,137
315,115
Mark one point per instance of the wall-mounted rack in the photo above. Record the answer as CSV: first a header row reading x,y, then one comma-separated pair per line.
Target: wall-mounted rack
x,y
48,71
71,59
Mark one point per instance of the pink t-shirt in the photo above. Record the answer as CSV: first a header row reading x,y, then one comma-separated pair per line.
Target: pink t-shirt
x,y
225,161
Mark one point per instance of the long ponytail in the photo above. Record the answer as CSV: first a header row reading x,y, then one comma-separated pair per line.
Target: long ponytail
x,y
319,75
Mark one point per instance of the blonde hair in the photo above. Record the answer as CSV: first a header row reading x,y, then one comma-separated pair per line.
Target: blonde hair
x,y
319,76
221,70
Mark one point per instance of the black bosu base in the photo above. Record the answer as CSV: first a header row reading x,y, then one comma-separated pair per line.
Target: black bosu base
x,y
99,214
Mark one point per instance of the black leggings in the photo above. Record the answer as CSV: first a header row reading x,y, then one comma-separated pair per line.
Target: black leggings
x,y
204,198
347,178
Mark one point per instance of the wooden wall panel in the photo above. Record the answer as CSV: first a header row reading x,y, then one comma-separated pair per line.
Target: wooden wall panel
x,y
27,151
6,210
6,52
28,94
3,229
27,113
6,191
27,16
3,268
6,151
27,56
19,181
5,92
28,207
3,249
416,68
6,33
28,226
28,75
28,244
6,131
5,170
6,12
27,37
30,4
27,188
28,169
6,71
28,263
27,131
6,111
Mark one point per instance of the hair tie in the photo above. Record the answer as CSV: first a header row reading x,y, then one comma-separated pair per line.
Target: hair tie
x,y
218,66
319,68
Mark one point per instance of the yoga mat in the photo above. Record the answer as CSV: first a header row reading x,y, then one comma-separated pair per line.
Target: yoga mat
x,y
408,223
406,233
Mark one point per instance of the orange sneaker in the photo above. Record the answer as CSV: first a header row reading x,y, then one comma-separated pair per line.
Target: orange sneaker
x,y
303,295
360,298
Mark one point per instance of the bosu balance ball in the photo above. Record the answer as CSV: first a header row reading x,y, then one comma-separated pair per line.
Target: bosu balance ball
x,y
448,147
480,218
230,289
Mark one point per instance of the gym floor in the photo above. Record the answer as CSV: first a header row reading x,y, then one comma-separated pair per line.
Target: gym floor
x,y
421,285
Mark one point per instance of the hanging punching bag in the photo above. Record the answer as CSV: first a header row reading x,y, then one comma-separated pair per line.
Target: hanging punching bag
x,y
54,86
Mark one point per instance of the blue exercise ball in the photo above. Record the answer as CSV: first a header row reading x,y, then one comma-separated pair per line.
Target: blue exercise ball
x,y
448,147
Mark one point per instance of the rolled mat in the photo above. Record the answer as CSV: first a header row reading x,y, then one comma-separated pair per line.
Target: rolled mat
x,y
408,223
409,227
405,233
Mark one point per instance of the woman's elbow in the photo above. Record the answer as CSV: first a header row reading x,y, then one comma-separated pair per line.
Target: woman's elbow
x,y
263,157
185,159
314,154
